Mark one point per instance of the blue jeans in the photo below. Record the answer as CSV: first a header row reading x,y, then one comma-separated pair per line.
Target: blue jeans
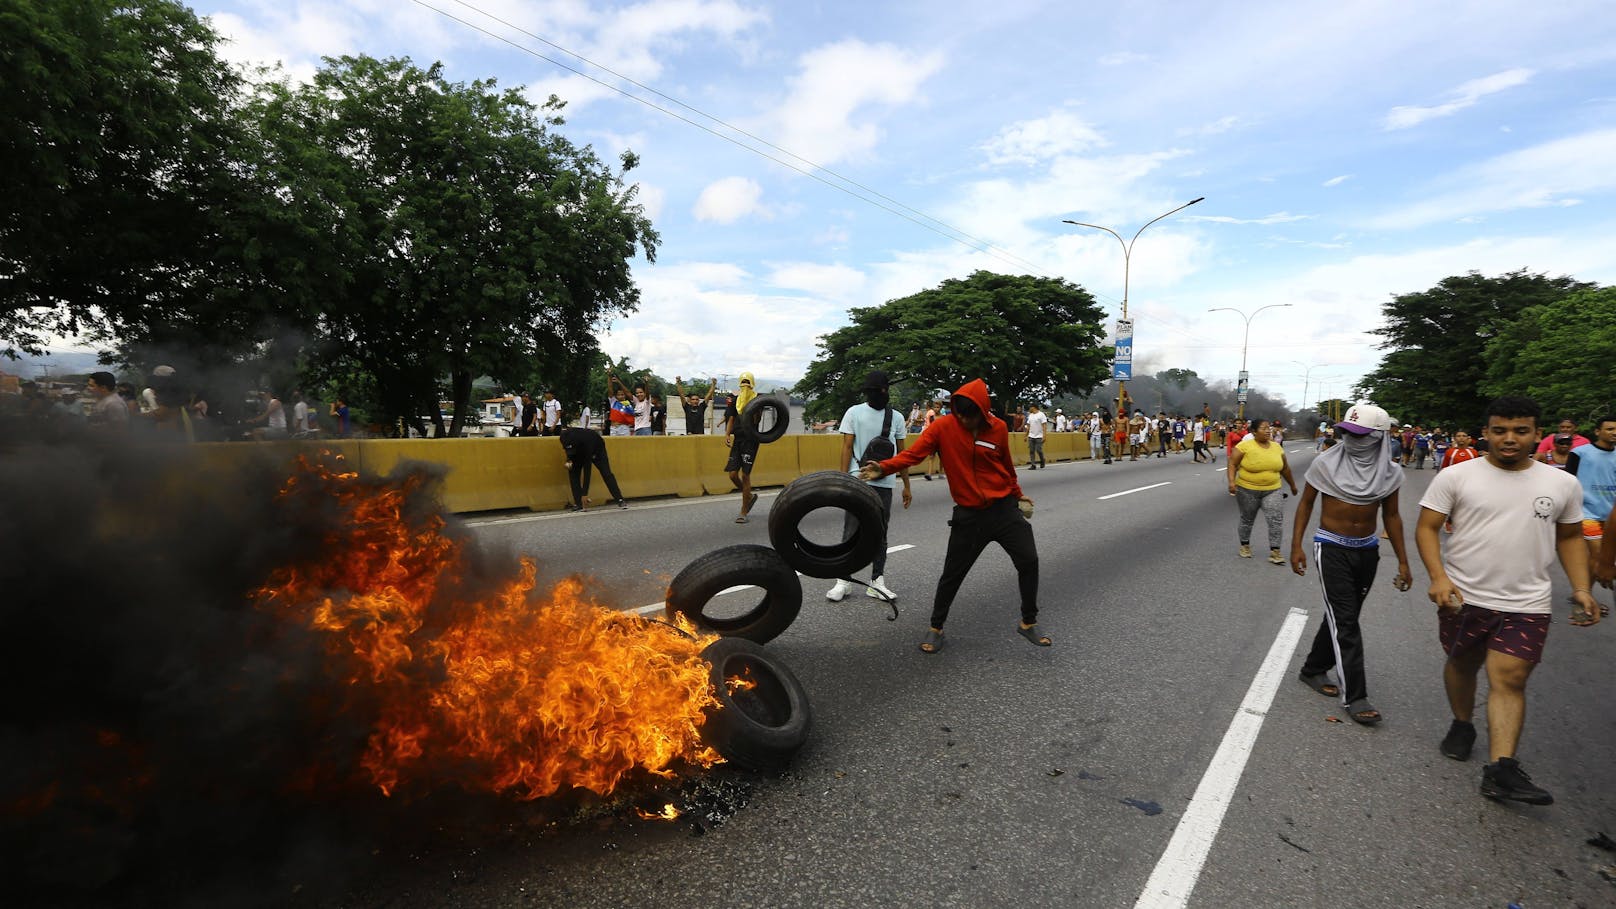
x,y
643,432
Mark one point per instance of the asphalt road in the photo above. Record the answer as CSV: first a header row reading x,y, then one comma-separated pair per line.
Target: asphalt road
x,y
999,774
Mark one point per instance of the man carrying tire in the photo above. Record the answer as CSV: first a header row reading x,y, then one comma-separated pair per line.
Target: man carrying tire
x,y
743,449
860,426
974,447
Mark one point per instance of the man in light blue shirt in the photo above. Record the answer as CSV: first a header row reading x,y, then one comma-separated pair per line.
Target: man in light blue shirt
x,y
859,426
1594,466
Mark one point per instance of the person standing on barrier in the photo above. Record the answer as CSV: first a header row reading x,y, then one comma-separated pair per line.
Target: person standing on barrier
x,y
862,425
989,506
585,448
743,449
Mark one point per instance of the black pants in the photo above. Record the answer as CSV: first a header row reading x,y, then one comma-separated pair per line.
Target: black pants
x,y
1200,449
580,474
1345,576
850,528
971,530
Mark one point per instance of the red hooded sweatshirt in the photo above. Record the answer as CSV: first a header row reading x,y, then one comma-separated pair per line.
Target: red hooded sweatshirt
x,y
979,467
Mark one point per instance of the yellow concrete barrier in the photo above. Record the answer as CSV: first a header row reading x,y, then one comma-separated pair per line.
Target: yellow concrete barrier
x,y
531,473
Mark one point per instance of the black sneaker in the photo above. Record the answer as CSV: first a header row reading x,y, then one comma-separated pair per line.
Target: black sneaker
x,y
622,503
1460,739
1506,780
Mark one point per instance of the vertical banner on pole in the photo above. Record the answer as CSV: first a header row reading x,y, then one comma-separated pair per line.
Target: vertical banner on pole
x,y
1243,389
1122,360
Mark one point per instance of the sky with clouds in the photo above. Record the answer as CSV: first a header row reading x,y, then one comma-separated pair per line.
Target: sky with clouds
x,y
1346,153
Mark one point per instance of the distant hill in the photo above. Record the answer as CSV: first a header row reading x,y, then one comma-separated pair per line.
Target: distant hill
x,y
53,362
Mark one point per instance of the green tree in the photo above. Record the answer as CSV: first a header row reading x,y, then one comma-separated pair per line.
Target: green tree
x,y
1030,338
1437,341
125,174
450,231
1559,353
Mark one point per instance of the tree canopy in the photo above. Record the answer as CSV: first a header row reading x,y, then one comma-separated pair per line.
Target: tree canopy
x,y
1030,338
123,164
1437,342
450,232
1560,354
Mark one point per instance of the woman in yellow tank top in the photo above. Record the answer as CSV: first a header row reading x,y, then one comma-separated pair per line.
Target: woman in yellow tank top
x,y
1256,469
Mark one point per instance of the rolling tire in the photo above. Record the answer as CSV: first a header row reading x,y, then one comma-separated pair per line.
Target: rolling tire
x,y
752,417
827,489
694,588
760,727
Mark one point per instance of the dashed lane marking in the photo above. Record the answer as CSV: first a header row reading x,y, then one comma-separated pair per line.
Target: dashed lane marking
x,y
1173,880
1126,492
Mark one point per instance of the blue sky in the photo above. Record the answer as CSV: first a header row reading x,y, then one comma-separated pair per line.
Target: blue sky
x,y
1347,152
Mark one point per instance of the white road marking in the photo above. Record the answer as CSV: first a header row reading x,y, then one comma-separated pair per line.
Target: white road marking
x,y
1132,491
607,508
1220,470
653,607
1173,881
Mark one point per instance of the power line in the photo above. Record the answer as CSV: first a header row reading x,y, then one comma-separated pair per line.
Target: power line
x,y
945,230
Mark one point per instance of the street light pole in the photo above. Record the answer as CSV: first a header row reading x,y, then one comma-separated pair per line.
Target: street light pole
x,y
1240,406
1127,257
1305,377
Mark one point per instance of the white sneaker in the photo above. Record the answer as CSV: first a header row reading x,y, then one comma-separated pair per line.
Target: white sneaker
x,y
835,594
879,589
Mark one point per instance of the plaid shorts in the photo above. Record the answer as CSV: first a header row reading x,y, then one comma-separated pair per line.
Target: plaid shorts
x,y
1517,634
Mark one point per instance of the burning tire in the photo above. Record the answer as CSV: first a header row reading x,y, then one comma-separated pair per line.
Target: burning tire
x,y
693,590
827,489
763,715
765,419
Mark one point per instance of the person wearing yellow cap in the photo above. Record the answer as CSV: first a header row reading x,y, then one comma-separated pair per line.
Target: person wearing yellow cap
x,y
742,451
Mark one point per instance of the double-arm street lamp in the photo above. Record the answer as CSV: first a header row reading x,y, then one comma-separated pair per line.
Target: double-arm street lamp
x,y
1240,406
1127,256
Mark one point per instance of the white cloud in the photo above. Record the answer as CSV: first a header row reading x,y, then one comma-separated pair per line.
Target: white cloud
x,y
1121,58
1216,127
826,118
1337,181
1464,96
1031,141
1280,217
1535,177
729,200
834,282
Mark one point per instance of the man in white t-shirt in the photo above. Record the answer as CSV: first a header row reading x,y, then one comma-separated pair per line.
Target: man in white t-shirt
x,y
1511,517
552,414
300,412
1036,423
859,425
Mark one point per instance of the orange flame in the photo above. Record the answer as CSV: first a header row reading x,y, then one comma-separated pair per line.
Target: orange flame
x,y
509,692
668,813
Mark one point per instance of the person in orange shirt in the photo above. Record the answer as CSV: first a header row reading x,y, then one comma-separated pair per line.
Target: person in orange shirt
x,y
989,506
1464,449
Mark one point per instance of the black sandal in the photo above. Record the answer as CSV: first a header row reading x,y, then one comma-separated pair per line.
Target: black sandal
x,y
933,642
1363,713
1320,683
1032,634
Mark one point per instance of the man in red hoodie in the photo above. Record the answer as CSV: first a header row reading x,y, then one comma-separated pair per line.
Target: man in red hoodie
x,y
974,446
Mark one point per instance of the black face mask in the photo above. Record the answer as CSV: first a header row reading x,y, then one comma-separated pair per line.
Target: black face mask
x,y
877,398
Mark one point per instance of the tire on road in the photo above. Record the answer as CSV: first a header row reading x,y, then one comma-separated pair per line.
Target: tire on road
x,y
756,413
827,489
762,721
694,588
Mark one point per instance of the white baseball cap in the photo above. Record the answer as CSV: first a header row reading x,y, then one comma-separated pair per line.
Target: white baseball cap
x,y
1364,419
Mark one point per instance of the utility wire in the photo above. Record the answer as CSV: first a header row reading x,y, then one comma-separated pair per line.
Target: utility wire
x,y
938,227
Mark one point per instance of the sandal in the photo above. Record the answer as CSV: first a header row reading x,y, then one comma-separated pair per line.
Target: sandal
x,y
1363,713
1320,683
1031,633
933,642
741,519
